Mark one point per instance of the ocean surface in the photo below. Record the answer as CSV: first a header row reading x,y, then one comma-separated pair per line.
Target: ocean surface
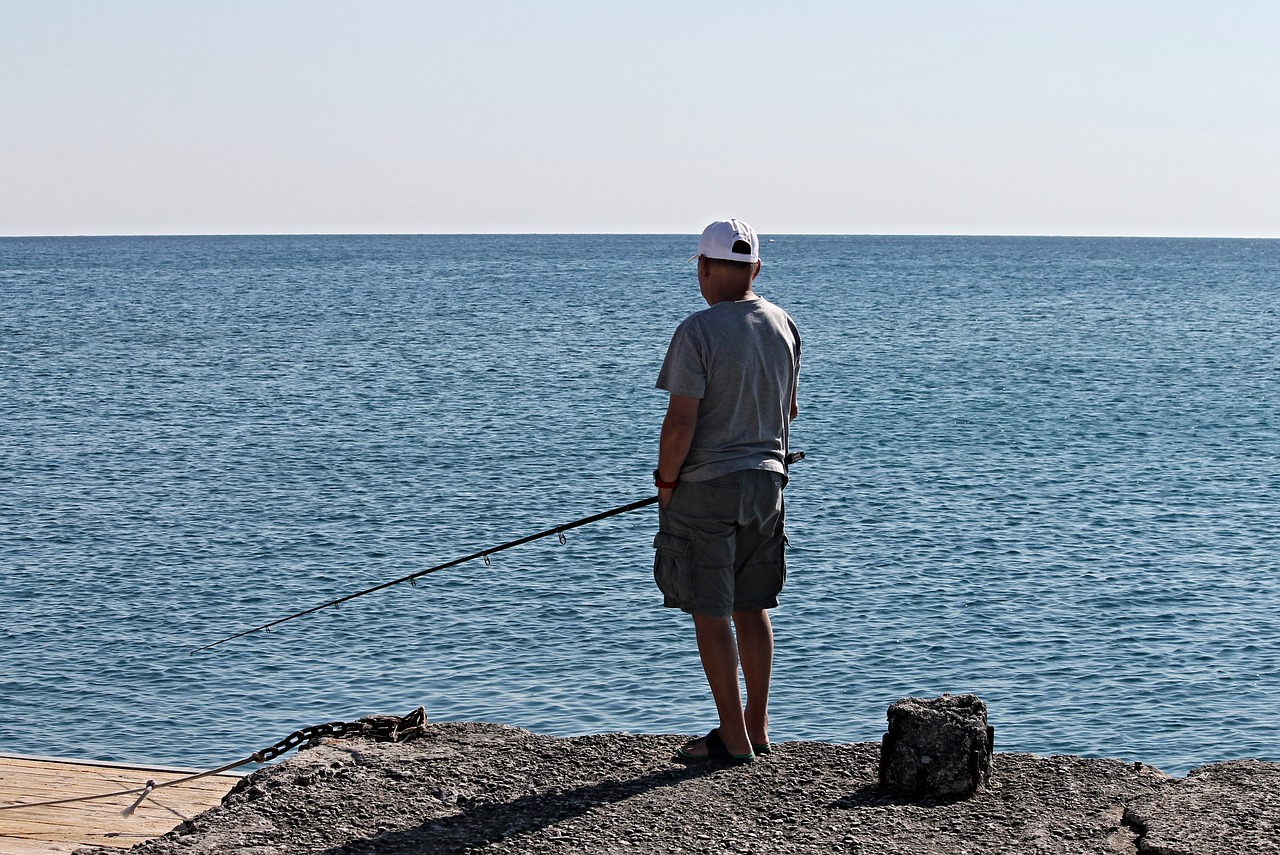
x,y
1042,470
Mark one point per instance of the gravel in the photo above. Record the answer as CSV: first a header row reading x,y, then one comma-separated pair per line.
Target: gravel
x,y
470,787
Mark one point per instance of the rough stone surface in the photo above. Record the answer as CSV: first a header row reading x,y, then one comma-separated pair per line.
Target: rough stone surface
x,y
488,788
1243,796
937,747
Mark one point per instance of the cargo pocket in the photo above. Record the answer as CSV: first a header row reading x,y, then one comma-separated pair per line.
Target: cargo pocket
x,y
782,563
673,569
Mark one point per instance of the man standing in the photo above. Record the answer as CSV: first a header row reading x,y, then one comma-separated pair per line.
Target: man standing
x,y
732,372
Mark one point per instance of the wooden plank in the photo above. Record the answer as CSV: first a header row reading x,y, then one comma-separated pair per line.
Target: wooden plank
x,y
15,846
45,829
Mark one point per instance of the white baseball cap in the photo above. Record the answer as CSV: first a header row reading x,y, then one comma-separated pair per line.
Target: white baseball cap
x,y
731,240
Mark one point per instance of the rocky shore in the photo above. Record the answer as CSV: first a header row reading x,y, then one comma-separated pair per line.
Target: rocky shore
x,y
464,787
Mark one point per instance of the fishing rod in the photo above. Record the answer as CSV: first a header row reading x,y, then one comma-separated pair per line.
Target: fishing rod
x,y
484,553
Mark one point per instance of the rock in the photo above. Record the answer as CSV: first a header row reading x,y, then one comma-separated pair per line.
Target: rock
x,y
940,747
1223,807
471,787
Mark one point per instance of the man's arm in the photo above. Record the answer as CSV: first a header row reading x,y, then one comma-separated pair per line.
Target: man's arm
x,y
795,401
677,435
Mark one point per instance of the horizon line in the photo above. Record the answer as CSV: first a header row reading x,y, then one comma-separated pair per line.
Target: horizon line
x,y
1136,236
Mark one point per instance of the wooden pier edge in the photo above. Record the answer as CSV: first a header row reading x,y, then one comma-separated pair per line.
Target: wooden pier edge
x,y
40,830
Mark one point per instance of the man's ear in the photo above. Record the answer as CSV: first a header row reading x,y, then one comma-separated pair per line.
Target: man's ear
x,y
755,271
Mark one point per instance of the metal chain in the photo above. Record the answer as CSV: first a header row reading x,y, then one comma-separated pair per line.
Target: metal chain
x,y
380,728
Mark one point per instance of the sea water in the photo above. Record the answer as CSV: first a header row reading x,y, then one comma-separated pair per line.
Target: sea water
x,y
1042,470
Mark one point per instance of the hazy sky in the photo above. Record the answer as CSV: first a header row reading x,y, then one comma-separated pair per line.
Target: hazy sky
x,y
1130,117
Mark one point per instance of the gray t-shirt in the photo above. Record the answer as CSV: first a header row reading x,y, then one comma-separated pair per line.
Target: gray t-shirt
x,y
742,359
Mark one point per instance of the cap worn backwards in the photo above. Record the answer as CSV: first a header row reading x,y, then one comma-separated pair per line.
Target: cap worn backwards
x,y
730,240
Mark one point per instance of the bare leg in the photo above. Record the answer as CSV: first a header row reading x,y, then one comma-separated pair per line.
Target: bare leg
x,y
719,654
755,649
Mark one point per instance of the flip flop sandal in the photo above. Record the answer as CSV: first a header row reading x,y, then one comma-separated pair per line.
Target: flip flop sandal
x,y
716,751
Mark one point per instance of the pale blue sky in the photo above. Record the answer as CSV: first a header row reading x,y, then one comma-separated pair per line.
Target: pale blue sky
x,y
1128,117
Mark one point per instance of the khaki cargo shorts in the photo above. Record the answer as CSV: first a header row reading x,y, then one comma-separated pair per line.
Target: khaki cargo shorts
x,y
720,544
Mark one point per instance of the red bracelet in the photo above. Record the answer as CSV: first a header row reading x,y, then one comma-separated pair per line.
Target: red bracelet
x,y
664,485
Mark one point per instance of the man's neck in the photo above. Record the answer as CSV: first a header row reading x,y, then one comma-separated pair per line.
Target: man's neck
x,y
734,297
